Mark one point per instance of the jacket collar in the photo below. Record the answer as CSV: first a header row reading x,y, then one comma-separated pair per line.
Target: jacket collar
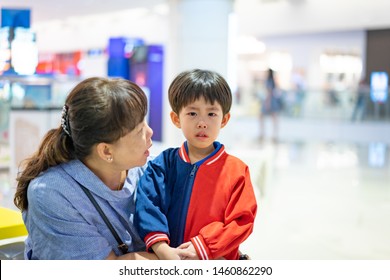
x,y
210,159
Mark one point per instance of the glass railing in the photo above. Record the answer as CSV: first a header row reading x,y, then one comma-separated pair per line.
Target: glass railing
x,y
344,105
31,93
4,119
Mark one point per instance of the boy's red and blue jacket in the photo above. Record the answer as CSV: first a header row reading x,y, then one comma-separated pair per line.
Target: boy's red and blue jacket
x,y
210,203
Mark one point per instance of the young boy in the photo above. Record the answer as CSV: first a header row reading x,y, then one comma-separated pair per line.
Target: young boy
x,y
196,197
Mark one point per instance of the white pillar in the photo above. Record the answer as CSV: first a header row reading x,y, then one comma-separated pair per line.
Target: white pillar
x,y
198,38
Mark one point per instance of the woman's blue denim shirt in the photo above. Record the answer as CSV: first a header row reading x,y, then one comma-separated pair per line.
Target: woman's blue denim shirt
x,y
63,223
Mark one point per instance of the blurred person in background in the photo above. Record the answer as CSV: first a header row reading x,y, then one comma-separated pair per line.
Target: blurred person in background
x,y
270,106
362,94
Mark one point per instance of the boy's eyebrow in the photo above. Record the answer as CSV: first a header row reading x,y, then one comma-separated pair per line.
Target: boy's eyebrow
x,y
212,107
192,107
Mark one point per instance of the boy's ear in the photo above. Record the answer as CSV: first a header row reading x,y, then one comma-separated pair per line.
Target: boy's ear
x,y
175,119
225,120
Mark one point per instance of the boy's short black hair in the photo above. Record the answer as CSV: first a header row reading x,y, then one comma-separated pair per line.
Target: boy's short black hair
x,y
191,85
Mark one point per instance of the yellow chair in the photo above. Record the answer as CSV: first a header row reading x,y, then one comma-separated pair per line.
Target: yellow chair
x,y
11,224
11,228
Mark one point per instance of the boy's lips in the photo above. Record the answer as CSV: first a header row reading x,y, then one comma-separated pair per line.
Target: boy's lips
x,y
201,135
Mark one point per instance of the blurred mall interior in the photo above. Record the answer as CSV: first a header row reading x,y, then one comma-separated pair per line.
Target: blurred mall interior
x,y
321,174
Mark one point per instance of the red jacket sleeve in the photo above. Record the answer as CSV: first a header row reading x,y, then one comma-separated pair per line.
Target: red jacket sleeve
x,y
218,238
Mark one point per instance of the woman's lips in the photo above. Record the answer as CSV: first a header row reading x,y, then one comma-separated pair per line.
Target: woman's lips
x,y
147,153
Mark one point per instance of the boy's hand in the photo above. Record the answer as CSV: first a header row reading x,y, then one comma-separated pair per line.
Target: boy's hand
x,y
165,252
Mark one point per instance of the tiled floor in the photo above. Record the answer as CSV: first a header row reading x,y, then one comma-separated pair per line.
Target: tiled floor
x,y
323,201
318,199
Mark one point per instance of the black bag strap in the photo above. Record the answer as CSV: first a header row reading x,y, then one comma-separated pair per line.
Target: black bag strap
x,y
121,245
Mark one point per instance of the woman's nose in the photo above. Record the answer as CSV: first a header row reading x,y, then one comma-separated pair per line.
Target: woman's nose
x,y
150,130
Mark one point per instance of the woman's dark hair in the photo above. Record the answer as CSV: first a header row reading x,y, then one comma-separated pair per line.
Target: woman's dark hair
x,y
97,110
191,85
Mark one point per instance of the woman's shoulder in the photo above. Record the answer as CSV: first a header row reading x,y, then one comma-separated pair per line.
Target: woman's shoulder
x,y
50,185
52,175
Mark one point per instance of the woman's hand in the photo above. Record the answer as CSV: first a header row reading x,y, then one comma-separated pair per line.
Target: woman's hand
x,y
187,251
132,256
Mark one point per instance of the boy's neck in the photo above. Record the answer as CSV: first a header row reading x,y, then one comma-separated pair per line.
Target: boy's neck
x,y
197,154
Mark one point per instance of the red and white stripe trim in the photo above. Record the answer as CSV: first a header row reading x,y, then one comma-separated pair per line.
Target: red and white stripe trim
x,y
214,160
200,248
183,154
185,157
150,239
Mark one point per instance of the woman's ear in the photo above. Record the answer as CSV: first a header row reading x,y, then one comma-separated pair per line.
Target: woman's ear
x,y
175,119
104,152
225,120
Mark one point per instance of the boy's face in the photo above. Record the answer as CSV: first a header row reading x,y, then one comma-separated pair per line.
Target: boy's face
x,y
200,122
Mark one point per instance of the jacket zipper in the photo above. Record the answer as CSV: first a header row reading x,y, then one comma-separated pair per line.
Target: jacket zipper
x,y
193,171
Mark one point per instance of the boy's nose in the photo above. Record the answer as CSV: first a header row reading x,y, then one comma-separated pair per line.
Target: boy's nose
x,y
202,124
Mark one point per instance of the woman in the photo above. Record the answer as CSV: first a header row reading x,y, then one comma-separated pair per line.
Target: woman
x,y
102,135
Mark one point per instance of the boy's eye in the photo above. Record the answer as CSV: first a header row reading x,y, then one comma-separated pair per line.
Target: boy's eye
x,y
212,114
192,114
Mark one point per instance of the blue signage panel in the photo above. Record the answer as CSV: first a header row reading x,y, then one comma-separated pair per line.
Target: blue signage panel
x,y
15,18
379,86
147,71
